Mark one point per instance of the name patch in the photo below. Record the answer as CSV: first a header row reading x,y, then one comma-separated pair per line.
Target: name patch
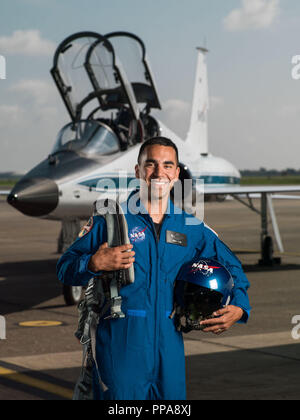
x,y
176,238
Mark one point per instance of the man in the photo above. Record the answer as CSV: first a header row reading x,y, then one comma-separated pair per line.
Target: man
x,y
141,356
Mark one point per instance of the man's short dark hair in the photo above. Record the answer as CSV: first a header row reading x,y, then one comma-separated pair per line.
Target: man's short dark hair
x,y
162,141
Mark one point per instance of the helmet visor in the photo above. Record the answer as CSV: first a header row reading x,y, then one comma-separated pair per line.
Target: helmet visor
x,y
200,302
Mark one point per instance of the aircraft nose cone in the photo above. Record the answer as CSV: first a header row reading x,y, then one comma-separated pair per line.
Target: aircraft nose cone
x,y
34,196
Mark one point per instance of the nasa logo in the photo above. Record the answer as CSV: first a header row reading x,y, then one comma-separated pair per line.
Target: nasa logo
x,y
204,268
137,234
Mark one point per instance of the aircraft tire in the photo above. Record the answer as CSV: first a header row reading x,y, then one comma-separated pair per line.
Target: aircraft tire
x,y
72,294
268,248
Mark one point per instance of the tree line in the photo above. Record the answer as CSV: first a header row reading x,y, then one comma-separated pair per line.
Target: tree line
x,y
270,172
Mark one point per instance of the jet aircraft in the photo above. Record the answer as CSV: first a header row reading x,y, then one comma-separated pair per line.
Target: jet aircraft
x,y
109,92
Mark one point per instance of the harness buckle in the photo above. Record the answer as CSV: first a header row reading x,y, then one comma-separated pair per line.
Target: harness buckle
x,y
115,308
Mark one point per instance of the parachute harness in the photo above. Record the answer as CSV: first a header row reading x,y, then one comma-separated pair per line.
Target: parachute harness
x,y
102,294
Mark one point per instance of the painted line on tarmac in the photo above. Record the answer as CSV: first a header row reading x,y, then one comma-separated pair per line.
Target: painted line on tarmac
x,y
40,323
25,379
246,251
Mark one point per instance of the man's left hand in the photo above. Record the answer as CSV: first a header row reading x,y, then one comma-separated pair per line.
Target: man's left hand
x,y
226,317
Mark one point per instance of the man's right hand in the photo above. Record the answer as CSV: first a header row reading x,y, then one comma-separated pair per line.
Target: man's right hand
x,y
111,259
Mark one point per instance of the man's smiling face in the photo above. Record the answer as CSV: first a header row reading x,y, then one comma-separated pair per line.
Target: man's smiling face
x,y
159,170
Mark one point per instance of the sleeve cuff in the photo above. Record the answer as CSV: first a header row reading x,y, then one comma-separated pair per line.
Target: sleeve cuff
x,y
85,265
245,316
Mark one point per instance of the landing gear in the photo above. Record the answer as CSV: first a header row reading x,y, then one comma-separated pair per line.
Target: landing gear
x,y
267,251
72,294
68,234
267,248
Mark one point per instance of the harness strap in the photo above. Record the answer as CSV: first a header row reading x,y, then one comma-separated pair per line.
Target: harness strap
x,y
96,292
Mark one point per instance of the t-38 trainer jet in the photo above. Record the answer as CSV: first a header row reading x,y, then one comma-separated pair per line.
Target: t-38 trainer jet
x,y
109,91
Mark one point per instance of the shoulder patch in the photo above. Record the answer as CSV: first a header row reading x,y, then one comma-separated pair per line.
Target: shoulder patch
x,y
86,228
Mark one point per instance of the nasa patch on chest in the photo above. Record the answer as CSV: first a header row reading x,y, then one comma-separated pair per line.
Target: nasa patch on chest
x,y
137,234
176,238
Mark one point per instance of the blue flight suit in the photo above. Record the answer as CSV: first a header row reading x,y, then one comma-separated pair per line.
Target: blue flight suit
x,y
141,356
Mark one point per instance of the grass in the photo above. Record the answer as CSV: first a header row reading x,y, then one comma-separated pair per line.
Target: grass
x,y
9,183
271,180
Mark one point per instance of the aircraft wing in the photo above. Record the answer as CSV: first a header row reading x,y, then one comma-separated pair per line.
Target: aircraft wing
x,y
254,191
249,190
286,197
4,192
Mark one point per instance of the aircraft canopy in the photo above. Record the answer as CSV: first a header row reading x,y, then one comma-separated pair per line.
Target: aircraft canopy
x,y
87,136
132,52
85,68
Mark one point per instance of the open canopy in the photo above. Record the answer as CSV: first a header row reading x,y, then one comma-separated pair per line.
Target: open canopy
x,y
108,77
132,52
85,68
111,70
69,72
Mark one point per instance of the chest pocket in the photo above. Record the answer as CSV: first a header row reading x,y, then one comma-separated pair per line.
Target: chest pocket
x,y
175,254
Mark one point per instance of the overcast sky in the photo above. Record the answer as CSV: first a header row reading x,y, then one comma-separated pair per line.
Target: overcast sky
x,y
255,103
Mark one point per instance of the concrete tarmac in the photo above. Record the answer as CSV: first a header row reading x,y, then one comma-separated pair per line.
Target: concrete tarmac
x,y
260,360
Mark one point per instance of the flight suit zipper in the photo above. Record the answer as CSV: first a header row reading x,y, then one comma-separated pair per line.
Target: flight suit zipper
x,y
157,315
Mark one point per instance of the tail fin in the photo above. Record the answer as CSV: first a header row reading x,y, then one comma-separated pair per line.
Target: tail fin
x,y
197,135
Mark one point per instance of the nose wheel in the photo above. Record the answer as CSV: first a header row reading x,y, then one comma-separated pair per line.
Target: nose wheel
x,y
72,294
